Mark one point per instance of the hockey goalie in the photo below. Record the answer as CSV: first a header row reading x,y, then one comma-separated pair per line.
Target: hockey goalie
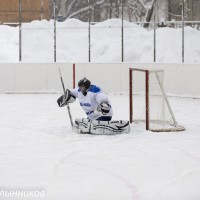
x,y
97,107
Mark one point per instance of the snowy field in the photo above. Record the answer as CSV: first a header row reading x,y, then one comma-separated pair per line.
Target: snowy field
x,y
72,43
39,150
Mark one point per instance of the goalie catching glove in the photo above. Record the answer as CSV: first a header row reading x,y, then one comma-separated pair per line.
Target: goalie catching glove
x,y
103,107
65,99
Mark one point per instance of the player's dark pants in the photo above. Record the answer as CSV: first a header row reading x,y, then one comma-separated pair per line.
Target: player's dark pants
x,y
104,118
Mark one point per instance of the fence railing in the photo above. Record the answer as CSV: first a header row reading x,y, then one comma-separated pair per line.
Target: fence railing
x,y
155,23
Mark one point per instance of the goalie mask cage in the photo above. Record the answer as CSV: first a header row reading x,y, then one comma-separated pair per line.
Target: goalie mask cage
x,y
148,101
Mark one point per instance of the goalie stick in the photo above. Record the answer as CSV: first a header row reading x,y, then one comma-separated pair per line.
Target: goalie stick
x,y
68,108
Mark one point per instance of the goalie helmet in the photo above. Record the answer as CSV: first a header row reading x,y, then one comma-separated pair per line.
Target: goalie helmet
x,y
84,83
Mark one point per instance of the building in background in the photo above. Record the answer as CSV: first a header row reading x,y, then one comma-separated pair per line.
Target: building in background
x,y
99,10
31,10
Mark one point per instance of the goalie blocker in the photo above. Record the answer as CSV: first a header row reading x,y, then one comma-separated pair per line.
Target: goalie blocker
x,y
96,127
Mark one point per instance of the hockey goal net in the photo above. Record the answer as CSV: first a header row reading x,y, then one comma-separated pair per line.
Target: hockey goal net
x,y
148,101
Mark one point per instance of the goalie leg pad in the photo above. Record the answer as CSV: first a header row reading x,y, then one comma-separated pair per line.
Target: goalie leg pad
x,y
101,127
109,127
82,125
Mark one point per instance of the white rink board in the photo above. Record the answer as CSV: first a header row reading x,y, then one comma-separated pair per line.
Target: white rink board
x,y
38,78
179,79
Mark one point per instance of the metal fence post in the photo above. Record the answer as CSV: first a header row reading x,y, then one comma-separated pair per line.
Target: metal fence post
x,y
154,28
54,11
110,14
89,38
183,31
122,31
42,9
20,30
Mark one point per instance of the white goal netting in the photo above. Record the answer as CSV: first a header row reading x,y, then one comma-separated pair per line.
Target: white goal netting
x,y
149,103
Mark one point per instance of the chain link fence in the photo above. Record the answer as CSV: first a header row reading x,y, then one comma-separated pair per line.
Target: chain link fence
x,y
150,15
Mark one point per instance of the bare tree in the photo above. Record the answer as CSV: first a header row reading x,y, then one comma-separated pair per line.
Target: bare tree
x,y
136,10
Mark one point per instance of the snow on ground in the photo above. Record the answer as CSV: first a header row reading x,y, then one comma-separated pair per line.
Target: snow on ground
x,y
39,150
72,42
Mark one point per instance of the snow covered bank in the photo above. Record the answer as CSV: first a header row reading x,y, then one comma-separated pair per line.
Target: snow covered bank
x,y
72,43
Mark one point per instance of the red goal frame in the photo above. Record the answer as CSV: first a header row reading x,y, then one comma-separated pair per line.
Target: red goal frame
x,y
173,126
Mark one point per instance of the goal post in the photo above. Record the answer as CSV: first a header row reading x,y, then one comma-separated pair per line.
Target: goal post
x,y
148,101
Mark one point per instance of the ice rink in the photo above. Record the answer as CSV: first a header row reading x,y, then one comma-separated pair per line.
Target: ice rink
x,y
38,149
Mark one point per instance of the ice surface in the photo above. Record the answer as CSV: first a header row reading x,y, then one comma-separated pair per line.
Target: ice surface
x,y
39,150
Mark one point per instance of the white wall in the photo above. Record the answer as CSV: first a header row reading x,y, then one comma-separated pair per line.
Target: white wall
x,y
180,79
28,77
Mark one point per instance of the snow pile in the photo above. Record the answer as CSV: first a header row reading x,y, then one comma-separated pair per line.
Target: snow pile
x,y
72,42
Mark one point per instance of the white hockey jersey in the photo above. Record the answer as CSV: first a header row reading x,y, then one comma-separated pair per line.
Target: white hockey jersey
x,y
90,102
